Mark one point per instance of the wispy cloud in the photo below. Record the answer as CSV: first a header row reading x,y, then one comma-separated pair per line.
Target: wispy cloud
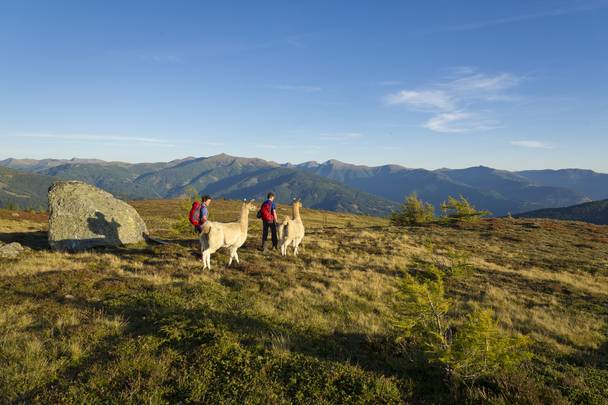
x,y
532,144
556,12
390,82
346,136
303,89
457,101
459,122
422,99
159,58
98,138
484,82
460,70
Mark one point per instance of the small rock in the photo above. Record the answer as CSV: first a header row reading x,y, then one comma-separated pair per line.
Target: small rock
x,y
15,214
10,250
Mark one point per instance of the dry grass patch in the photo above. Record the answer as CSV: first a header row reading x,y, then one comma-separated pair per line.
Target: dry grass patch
x,y
145,323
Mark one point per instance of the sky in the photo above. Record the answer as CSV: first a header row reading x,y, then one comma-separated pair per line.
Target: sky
x,y
512,84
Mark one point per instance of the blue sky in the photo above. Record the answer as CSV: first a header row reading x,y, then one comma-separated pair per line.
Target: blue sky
x,y
513,85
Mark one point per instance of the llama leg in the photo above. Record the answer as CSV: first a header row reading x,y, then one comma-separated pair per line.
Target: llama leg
x,y
287,246
236,256
204,259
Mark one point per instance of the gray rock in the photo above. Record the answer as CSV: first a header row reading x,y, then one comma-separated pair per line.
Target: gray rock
x,y
10,250
82,216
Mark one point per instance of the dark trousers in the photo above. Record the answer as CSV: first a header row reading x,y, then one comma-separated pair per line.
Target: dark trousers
x,y
273,230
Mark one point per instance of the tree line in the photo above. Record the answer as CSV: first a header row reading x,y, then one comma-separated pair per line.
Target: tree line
x,y
415,212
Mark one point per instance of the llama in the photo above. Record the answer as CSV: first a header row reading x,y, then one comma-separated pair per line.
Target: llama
x,y
232,235
291,231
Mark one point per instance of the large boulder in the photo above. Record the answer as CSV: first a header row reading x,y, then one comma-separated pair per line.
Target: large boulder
x,y
82,216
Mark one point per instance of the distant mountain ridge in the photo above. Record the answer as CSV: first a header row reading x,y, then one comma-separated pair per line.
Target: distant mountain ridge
x,y
587,182
331,185
23,190
220,175
595,212
499,191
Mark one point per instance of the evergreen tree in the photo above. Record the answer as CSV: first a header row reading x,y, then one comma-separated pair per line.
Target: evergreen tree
x,y
413,212
461,210
467,349
481,349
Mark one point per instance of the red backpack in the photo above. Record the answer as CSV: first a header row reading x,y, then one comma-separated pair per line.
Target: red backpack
x,y
266,212
195,213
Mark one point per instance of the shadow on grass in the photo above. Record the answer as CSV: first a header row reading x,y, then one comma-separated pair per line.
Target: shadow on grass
x,y
186,330
36,240
598,358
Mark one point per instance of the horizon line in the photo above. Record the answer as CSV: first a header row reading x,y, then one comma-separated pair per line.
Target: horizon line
x,y
301,163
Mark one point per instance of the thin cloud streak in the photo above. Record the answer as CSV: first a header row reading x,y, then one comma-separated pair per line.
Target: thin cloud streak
x,y
390,83
422,99
532,144
444,122
104,138
348,136
456,122
161,58
523,17
304,89
484,82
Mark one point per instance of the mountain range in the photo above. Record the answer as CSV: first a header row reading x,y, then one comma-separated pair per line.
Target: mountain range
x,y
332,185
595,212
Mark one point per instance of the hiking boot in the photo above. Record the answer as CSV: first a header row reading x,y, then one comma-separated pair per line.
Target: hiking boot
x,y
264,248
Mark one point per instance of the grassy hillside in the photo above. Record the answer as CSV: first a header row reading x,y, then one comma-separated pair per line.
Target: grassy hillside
x,y
24,190
595,212
144,324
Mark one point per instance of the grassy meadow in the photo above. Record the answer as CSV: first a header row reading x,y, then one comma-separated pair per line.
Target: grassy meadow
x,y
145,324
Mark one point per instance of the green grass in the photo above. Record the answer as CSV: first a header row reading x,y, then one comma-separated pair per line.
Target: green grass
x,y
146,324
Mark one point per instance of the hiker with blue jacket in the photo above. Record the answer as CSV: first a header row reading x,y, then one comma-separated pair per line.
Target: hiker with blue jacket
x,y
268,215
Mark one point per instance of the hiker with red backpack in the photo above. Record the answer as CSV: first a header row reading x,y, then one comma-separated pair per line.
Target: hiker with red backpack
x,y
268,215
199,213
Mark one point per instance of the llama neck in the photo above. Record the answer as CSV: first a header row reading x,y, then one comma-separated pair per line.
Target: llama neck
x,y
244,219
296,211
